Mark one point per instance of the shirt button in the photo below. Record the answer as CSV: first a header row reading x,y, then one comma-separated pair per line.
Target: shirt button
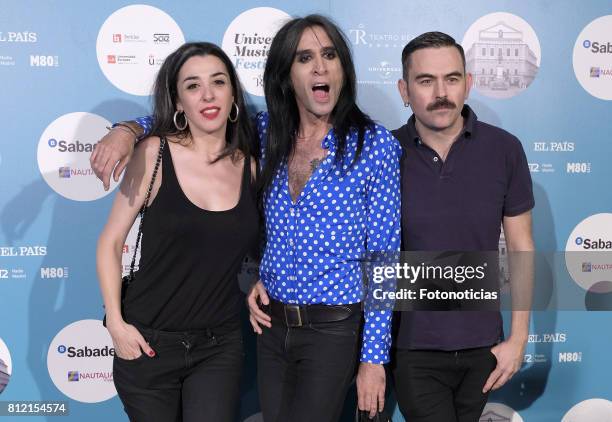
x,y
292,212
291,242
435,159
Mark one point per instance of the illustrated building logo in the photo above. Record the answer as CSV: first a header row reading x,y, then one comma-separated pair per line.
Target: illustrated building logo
x,y
491,416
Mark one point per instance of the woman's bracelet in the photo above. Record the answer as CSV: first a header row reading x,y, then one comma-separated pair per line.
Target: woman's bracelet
x,y
124,127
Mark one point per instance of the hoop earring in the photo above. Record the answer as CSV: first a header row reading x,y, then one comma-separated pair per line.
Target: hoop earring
x,y
176,113
229,117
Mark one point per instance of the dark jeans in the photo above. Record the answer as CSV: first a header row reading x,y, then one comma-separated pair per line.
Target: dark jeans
x,y
435,386
193,377
304,372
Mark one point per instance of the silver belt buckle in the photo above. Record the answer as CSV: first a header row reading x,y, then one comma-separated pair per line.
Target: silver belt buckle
x,y
296,309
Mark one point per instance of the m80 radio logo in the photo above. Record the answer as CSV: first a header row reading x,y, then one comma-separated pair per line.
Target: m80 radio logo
x,y
54,272
569,357
44,61
578,167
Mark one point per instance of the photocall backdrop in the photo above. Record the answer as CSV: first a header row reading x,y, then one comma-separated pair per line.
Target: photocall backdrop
x,y
542,70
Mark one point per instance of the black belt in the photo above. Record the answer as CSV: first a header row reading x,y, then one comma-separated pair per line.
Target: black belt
x,y
299,315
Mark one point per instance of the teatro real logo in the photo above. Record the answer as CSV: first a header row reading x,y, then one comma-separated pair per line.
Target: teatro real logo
x,y
360,36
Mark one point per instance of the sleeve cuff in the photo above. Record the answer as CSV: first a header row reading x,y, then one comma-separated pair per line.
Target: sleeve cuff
x,y
374,352
147,124
519,209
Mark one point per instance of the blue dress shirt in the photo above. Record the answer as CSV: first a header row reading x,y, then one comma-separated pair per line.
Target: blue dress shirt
x,y
314,247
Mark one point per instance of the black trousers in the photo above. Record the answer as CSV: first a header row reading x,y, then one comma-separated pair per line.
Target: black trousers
x,y
194,376
304,372
439,386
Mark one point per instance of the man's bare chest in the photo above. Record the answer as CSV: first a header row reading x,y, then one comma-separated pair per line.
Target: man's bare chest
x,y
302,165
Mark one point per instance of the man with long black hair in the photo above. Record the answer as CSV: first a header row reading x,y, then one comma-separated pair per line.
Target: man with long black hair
x,y
330,186
330,196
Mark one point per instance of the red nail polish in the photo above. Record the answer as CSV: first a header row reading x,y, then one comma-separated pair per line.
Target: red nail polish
x,y
151,353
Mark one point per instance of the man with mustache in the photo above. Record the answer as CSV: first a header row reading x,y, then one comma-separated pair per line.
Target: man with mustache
x,y
461,180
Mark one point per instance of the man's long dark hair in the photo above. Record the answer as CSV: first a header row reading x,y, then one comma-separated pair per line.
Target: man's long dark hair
x,y
280,97
238,135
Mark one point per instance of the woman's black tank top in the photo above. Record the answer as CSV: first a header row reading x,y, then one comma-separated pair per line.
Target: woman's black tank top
x,y
188,271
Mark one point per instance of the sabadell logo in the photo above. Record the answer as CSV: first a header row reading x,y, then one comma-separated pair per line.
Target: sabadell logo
x,y
63,155
598,46
80,361
595,244
592,58
85,351
587,251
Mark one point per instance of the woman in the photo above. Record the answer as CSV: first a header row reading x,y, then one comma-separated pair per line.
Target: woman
x,y
178,346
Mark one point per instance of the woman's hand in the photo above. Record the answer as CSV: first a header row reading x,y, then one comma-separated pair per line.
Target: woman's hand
x,y
129,343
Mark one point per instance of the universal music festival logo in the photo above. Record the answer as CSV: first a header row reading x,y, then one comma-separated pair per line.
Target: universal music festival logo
x,y
247,42
251,51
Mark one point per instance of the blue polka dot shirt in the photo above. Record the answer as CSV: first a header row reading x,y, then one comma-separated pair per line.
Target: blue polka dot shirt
x,y
314,246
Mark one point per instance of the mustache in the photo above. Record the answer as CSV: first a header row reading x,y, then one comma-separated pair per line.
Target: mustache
x,y
441,103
